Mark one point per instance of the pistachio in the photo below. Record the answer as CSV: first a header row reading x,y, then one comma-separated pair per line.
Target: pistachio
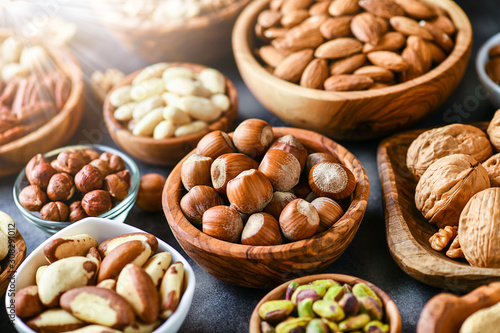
x,y
328,309
291,289
376,326
275,311
332,325
295,325
304,309
327,283
334,293
265,327
310,291
369,306
317,326
362,290
350,304
354,323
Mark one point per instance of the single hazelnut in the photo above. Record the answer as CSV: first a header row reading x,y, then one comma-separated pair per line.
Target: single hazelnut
x,y
76,212
32,198
116,186
89,178
61,187
261,229
35,160
41,174
299,220
331,180
329,212
222,222
69,161
90,155
215,144
250,191
278,202
125,176
196,171
302,189
96,202
252,137
228,166
281,168
316,158
291,144
54,211
102,165
197,201
115,162
150,192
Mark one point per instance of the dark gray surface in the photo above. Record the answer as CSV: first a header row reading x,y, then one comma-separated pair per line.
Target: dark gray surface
x,y
218,306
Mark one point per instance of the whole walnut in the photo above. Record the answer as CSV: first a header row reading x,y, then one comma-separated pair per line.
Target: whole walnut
x,y
492,166
447,185
443,141
494,130
479,229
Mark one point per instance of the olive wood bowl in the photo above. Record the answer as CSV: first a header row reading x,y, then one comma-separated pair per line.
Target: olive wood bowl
x,y
268,266
167,151
9,265
352,115
408,231
392,314
58,130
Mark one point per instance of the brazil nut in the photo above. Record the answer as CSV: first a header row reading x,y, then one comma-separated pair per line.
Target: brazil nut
x,y
110,244
136,252
64,247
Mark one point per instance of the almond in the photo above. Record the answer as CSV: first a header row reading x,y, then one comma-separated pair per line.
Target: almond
x,y
408,26
445,24
293,18
417,9
275,32
378,74
379,85
365,27
423,52
292,67
343,7
382,8
391,41
299,40
291,5
437,54
271,56
320,8
347,65
415,68
383,23
389,60
315,74
440,38
338,48
335,27
348,82
313,22
268,18
275,4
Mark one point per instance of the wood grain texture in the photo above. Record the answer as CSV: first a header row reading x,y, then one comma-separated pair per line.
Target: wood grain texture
x,y
392,313
167,151
445,313
355,115
58,130
7,266
408,231
201,39
268,266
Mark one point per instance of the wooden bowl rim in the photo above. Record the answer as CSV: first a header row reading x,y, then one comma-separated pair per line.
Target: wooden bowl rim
x,y
391,310
193,235
19,256
59,55
114,125
243,35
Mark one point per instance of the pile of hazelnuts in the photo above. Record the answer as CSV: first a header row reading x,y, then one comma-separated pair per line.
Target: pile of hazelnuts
x,y
256,189
75,185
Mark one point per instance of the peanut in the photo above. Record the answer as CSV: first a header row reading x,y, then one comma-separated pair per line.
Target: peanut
x,y
144,107
125,112
150,72
212,80
164,129
147,89
176,115
174,72
190,128
121,96
199,108
146,125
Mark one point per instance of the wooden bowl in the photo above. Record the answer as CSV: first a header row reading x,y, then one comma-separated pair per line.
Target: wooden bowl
x,y
9,265
408,231
268,266
445,313
59,129
392,313
202,39
355,115
167,151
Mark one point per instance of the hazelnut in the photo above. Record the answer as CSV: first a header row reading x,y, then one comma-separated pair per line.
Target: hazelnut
x,y
41,174
102,165
90,155
69,161
215,144
35,160
302,189
299,220
197,201
116,186
61,187
32,198
281,168
329,212
76,212
54,211
222,222
252,137
316,158
115,162
150,192
278,202
228,166
261,229
125,176
96,202
250,191
196,171
331,180
291,144
89,178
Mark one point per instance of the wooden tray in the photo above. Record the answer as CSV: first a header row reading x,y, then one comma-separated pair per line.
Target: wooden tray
x,y
408,231
6,268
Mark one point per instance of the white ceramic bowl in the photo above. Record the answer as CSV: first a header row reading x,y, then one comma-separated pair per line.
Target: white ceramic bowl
x,y
100,229
482,58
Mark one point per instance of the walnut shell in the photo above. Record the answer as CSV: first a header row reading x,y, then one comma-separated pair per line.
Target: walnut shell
x,y
492,166
443,141
479,229
446,186
494,130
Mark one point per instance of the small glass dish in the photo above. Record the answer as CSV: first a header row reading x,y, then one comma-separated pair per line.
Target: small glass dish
x,y
482,57
118,213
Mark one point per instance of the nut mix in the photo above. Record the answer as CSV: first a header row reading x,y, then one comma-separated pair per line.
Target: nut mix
x,y
75,185
492,66
166,101
325,306
136,291
345,45
275,188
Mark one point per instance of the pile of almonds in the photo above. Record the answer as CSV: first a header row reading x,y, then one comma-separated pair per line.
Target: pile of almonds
x,y
120,285
32,90
492,67
75,185
345,45
248,188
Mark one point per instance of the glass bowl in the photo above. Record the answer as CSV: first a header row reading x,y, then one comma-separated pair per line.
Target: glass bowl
x,y
492,89
117,213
